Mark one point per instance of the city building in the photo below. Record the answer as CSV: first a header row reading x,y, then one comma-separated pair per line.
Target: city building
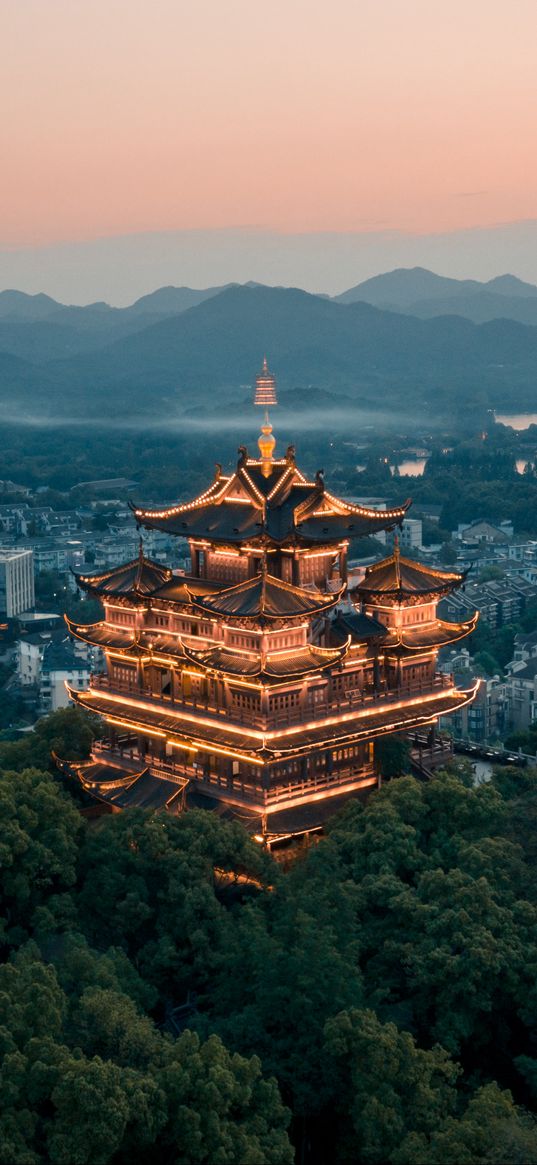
x,y
63,669
257,684
411,534
482,721
521,695
499,602
487,532
16,582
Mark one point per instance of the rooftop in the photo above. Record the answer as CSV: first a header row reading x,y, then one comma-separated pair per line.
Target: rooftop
x,y
274,502
396,577
265,597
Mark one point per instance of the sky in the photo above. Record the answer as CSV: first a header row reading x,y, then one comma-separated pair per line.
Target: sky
x,y
221,123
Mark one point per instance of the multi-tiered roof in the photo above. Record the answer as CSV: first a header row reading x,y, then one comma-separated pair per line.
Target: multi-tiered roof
x,y
259,681
284,509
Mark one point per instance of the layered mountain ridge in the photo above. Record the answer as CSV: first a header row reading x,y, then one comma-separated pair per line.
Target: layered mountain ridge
x,y
182,350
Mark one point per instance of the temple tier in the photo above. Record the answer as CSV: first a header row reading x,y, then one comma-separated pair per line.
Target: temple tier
x,y
257,684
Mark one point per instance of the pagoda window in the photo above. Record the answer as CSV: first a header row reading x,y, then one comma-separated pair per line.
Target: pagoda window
x,y
161,621
124,618
246,700
289,700
124,674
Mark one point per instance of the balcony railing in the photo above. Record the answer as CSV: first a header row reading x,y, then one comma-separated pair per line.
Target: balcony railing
x,y
283,717
236,788
317,709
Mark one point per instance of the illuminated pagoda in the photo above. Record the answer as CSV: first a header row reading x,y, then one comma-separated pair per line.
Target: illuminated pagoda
x,y
257,684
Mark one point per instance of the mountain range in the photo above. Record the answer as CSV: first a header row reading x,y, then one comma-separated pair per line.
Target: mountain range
x,y
418,292
386,344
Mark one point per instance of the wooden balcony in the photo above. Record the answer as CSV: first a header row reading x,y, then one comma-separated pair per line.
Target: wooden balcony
x,y
309,710
236,789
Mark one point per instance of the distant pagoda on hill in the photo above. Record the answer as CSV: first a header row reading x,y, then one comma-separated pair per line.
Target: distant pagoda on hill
x,y
257,685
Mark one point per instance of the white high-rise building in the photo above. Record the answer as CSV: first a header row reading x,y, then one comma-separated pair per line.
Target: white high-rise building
x,y
17,592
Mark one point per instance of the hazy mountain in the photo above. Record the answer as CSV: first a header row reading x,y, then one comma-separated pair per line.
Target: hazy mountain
x,y
208,354
171,300
407,285
511,285
38,328
480,307
402,287
206,357
20,306
417,291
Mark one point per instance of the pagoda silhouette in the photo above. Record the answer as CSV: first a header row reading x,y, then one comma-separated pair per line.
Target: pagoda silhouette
x,y
256,685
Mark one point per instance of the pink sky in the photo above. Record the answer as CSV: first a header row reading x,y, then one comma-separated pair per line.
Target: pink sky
x,y
123,116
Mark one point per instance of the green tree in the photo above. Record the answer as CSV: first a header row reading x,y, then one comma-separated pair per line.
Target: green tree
x,y
485,663
68,733
142,1095
392,755
39,834
163,888
383,1086
492,1130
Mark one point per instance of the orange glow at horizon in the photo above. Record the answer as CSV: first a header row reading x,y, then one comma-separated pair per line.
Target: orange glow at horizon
x,y
130,116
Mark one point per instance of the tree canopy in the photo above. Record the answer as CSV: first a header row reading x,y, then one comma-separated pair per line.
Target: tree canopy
x,y
165,981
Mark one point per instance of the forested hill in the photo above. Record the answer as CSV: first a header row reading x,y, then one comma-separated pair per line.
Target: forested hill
x,y
208,352
376,1003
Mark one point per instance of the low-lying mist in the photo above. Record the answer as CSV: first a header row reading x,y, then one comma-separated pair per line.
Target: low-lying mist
x,y
292,422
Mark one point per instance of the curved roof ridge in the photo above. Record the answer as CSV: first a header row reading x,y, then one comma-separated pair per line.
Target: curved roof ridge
x,y
399,576
273,665
140,574
269,596
217,486
100,634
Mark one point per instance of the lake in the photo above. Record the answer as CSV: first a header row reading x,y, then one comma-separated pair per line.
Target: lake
x,y
412,467
516,420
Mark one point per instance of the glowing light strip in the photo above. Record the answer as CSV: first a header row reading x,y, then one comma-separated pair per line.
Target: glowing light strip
x,y
324,794
283,479
128,724
236,500
365,511
142,730
119,606
274,735
257,493
306,749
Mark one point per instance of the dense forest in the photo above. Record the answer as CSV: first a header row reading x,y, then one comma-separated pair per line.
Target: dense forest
x,y
164,980
469,474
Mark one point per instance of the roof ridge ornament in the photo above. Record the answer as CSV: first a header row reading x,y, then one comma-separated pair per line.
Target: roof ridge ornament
x,y
141,560
319,481
397,558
